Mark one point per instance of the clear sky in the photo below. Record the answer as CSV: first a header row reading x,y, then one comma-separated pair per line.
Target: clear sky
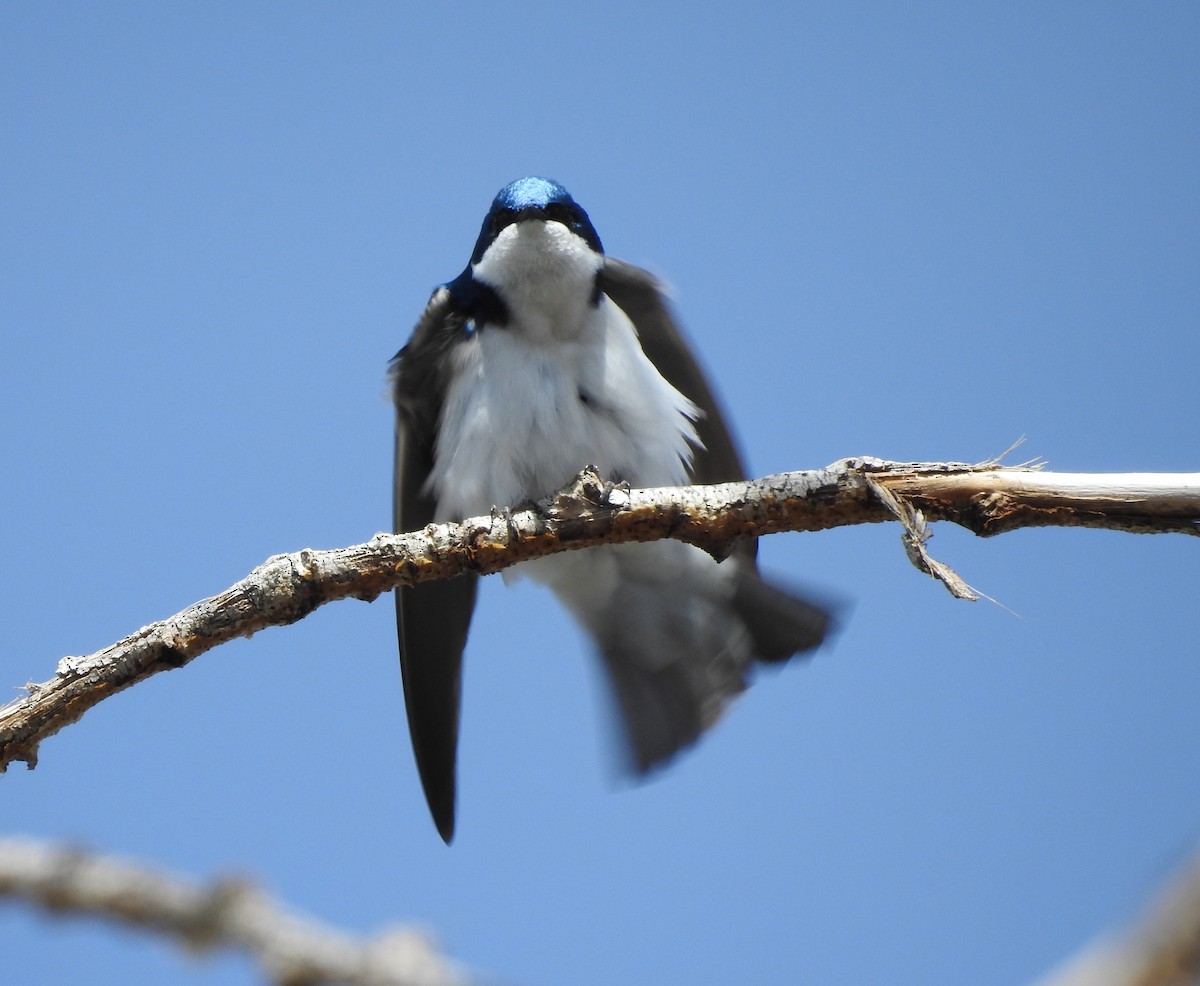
x,y
918,231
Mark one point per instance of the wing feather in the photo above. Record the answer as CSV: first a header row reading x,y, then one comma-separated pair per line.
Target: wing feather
x,y
432,619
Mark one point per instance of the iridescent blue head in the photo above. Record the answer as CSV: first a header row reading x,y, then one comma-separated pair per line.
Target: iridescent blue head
x,y
534,198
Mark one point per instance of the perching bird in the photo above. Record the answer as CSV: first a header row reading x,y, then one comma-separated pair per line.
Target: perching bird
x,y
545,355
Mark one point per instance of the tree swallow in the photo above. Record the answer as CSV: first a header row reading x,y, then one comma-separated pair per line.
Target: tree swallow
x,y
545,355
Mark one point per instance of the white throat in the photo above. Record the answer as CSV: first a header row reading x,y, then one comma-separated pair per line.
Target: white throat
x,y
546,275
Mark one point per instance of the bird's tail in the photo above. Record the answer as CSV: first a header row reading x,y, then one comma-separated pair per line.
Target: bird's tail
x,y
679,635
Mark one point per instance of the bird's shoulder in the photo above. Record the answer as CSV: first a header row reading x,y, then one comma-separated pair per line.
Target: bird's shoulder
x,y
643,298
420,372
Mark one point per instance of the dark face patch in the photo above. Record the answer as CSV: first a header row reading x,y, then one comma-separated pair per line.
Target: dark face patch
x,y
479,302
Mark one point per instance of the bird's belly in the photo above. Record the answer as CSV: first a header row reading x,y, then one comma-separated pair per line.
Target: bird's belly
x,y
521,425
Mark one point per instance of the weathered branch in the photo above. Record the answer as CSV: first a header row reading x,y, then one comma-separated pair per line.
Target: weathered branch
x,y
291,950
984,498
1163,949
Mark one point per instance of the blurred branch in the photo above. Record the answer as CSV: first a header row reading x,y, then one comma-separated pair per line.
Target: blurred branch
x,y
292,951
985,498
1163,949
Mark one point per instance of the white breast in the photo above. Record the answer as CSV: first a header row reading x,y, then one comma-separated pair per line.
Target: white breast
x,y
527,411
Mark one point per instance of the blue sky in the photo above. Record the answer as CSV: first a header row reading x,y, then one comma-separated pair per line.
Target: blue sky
x,y
916,231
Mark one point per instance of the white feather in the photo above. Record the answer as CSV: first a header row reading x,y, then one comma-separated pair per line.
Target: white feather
x,y
563,385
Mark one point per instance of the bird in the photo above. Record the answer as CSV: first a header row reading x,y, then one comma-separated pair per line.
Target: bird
x,y
543,356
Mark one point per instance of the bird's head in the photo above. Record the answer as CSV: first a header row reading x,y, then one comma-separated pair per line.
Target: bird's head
x,y
535,263
538,202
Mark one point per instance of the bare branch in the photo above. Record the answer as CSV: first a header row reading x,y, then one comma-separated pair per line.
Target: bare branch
x,y
994,500
291,950
986,499
1162,950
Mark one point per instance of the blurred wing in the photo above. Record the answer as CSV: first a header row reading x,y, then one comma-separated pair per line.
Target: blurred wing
x,y
638,293
670,695
431,619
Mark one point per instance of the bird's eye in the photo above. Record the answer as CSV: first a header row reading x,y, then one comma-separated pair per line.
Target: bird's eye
x,y
563,213
499,219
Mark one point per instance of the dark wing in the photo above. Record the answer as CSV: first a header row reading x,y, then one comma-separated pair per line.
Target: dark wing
x,y
639,294
667,703
431,619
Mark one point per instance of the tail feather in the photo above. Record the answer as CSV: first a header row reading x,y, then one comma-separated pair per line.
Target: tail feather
x,y
780,624
679,635
659,710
